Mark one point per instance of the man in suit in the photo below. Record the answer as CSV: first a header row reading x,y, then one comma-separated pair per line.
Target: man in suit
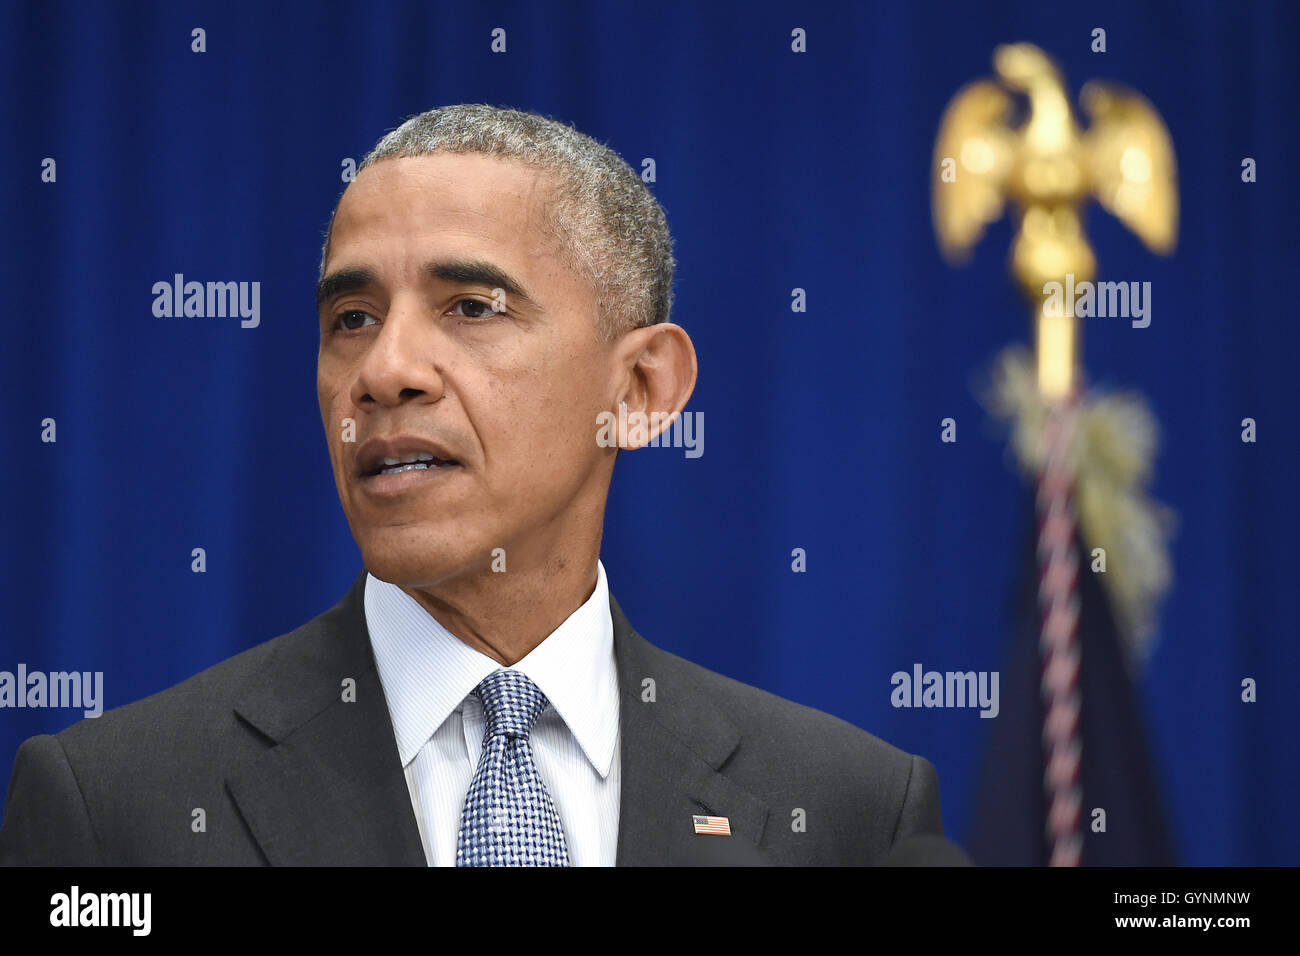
x,y
494,284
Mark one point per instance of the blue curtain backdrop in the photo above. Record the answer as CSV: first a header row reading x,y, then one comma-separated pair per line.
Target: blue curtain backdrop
x,y
778,171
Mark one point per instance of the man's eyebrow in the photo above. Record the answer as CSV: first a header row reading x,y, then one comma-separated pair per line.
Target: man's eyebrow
x,y
479,272
475,271
336,283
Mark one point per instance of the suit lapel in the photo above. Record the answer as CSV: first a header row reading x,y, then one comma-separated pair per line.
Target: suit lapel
x,y
331,790
674,743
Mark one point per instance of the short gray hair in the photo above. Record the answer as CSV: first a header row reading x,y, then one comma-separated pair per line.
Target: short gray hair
x,y
603,215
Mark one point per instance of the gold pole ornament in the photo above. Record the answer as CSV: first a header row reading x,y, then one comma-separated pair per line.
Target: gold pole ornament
x,y
1047,168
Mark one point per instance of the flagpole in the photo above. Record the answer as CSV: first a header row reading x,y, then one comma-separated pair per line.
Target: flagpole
x,y
1046,167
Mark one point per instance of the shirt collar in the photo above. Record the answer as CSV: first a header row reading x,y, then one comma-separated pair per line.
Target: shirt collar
x,y
427,671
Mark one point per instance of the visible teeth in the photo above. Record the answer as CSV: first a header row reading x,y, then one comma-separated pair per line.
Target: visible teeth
x,y
407,459
414,466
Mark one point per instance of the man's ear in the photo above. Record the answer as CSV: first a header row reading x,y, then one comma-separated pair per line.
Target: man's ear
x,y
659,373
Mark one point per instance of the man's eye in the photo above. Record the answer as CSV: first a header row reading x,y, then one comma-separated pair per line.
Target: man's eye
x,y
477,309
352,320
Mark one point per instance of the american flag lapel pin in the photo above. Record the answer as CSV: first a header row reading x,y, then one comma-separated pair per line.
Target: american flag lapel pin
x,y
720,826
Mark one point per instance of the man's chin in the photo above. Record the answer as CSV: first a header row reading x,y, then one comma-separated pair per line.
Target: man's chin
x,y
411,567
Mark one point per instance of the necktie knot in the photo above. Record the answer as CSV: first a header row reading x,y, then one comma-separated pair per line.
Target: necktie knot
x,y
511,703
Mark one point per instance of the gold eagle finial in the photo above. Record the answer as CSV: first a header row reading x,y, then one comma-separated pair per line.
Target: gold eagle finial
x,y
1017,141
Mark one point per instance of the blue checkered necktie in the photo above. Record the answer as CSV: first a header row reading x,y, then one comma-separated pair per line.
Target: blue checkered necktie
x,y
509,818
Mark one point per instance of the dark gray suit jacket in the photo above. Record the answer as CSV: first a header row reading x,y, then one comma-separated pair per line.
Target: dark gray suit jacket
x,y
286,772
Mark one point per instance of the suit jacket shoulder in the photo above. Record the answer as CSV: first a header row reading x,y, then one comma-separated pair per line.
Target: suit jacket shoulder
x,y
252,760
802,786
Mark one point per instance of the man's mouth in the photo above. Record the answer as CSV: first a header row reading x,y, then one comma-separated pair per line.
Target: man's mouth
x,y
398,454
417,462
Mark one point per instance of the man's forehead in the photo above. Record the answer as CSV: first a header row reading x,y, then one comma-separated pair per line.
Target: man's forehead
x,y
460,195
470,184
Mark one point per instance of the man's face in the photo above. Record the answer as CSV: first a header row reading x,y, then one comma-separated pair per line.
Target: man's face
x,y
503,395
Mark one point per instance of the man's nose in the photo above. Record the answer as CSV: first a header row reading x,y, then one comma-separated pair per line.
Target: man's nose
x,y
400,364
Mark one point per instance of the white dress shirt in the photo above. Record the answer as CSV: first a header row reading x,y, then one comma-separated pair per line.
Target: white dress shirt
x,y
428,675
